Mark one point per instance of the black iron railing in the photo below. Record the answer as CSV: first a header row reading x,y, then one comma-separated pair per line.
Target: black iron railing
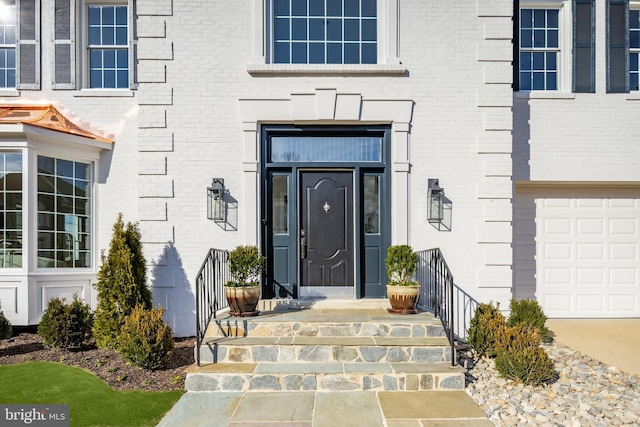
x,y
210,297
436,291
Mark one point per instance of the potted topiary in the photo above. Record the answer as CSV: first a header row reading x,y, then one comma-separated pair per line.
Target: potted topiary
x,y
402,290
243,290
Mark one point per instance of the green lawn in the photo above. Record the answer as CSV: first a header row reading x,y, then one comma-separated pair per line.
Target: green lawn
x,y
91,401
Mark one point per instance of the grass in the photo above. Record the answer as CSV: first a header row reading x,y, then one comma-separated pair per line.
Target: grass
x,y
91,402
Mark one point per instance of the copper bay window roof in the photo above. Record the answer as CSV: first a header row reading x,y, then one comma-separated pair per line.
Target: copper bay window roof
x,y
44,116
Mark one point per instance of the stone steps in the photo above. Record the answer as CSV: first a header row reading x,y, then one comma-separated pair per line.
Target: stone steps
x,y
248,377
300,348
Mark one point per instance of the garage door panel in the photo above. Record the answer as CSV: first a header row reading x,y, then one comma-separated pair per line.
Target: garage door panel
x,y
590,276
626,303
623,276
590,226
623,251
557,226
590,252
623,227
557,251
590,303
557,303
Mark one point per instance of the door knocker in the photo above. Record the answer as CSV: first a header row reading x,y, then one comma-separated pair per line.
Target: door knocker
x,y
326,207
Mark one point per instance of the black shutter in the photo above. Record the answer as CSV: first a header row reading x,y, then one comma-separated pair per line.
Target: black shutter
x,y
617,46
64,45
584,46
28,44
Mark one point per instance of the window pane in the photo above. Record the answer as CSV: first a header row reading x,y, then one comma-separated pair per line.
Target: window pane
x,y
316,8
280,194
351,53
326,149
334,7
538,61
526,38
334,29
94,15
281,7
369,8
369,54
299,8
369,30
316,53
538,81
539,18
299,53
281,29
316,29
108,36
552,18
281,53
351,29
334,53
525,81
552,61
526,18
552,38
371,221
299,29
551,81
539,39
121,15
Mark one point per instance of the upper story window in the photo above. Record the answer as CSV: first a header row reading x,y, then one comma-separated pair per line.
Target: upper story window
x,y
94,45
7,44
108,46
11,210
324,32
634,47
539,49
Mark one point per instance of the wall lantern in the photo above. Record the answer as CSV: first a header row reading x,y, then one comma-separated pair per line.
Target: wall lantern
x,y
435,194
216,206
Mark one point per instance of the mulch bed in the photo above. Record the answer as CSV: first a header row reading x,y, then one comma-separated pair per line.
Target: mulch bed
x,y
26,346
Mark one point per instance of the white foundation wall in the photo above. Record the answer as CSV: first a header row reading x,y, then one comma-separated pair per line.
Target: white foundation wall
x,y
193,70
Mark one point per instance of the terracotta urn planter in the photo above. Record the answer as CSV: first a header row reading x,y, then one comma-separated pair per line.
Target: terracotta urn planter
x,y
403,299
242,300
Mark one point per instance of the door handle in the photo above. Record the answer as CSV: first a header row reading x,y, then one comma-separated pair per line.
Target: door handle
x,y
303,244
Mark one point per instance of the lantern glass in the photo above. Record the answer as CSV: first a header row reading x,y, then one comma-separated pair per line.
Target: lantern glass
x,y
216,206
435,194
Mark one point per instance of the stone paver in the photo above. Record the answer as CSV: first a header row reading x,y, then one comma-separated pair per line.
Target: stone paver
x,y
202,409
276,407
352,409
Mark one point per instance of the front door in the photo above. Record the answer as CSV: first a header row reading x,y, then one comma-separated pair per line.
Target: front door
x,y
326,233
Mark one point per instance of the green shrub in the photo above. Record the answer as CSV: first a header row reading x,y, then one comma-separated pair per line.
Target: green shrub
x,y
401,263
530,313
66,325
487,321
245,265
5,326
520,357
121,283
145,340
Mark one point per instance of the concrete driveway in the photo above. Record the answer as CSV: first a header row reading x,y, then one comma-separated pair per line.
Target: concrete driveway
x,y
615,342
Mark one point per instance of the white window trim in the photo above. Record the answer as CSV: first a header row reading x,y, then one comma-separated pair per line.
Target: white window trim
x,y
83,43
565,40
634,5
388,46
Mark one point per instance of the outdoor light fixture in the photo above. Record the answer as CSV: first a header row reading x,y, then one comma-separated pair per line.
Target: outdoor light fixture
x,y
216,206
435,195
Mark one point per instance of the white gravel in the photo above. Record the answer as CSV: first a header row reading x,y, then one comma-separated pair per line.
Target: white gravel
x,y
586,393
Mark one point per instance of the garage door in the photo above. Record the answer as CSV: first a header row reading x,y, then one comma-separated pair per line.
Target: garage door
x,y
588,252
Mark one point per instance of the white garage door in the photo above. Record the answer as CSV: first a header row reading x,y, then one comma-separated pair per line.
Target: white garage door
x,y
588,252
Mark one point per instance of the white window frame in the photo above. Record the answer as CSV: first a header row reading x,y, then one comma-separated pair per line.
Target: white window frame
x,y
84,48
634,5
564,42
12,46
388,46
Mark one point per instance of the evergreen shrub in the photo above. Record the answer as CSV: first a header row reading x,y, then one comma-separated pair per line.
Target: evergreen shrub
x,y
245,266
5,326
401,262
530,313
121,285
66,325
487,321
145,340
520,357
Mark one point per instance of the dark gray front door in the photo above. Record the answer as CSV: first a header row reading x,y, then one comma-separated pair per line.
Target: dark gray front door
x,y
326,233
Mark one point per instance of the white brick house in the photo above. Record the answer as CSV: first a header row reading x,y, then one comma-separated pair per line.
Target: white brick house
x,y
537,181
